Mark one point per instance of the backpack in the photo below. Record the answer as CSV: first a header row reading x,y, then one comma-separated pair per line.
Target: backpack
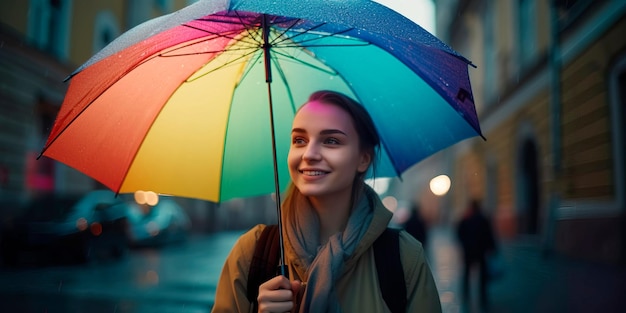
x,y
265,265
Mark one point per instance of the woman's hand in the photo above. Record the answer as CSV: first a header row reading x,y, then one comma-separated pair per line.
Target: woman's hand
x,y
278,294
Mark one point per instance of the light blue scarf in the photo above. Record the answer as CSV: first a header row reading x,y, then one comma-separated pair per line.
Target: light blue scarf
x,y
325,262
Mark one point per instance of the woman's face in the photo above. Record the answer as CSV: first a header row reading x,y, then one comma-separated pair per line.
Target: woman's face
x,y
324,156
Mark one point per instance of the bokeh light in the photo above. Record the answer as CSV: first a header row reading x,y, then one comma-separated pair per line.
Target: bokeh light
x,y
152,198
391,203
440,185
140,197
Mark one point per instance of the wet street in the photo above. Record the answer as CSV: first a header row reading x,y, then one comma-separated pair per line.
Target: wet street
x,y
178,278
532,280
182,279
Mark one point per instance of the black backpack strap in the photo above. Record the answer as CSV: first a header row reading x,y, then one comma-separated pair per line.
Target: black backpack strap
x,y
390,270
264,262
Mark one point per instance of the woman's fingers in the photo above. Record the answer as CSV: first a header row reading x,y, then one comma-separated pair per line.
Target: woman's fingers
x,y
278,282
275,307
275,295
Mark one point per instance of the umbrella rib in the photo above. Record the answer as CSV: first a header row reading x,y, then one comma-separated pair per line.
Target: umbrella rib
x,y
249,68
299,33
222,35
281,34
254,34
283,77
321,34
299,61
299,44
222,66
170,55
383,145
280,38
204,19
327,45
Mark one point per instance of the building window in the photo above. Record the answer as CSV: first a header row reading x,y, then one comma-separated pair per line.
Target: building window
x,y
106,29
527,29
48,26
491,62
163,6
618,116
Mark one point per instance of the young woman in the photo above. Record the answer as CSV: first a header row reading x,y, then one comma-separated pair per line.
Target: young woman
x,y
330,218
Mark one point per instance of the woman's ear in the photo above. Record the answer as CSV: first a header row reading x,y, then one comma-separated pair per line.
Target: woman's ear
x,y
364,162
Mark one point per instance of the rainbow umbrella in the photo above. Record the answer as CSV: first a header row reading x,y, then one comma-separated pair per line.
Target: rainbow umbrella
x,y
199,103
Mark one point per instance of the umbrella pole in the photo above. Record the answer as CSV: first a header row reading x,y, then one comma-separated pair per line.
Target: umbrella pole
x,y
268,80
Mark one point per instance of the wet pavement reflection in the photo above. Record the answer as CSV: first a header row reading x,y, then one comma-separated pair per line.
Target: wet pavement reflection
x,y
177,278
532,280
182,278
445,261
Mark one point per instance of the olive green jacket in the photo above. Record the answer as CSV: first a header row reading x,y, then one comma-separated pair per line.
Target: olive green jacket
x,y
358,289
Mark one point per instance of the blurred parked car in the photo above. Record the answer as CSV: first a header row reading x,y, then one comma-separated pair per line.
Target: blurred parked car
x,y
67,228
156,225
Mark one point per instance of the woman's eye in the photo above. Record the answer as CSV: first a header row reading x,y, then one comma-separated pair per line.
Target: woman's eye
x,y
298,141
331,141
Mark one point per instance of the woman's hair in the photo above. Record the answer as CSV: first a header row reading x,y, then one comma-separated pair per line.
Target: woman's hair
x,y
364,125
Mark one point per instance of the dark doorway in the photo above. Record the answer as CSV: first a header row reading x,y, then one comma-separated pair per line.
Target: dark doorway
x,y
621,89
529,181
621,81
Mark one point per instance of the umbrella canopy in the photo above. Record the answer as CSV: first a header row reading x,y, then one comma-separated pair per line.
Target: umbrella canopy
x,y
179,104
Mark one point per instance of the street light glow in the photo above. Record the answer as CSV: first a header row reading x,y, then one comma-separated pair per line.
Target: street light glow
x,y
440,185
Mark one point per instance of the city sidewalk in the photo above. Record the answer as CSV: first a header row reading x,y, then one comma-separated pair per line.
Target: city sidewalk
x,y
532,281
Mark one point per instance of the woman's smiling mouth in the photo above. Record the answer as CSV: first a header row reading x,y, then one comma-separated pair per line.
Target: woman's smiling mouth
x,y
313,172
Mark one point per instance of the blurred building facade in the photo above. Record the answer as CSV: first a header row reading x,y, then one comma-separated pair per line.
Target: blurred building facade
x,y
549,87
550,91
41,43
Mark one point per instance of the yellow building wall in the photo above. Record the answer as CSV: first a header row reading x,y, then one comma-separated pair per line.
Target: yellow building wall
x,y
14,14
502,145
587,151
587,148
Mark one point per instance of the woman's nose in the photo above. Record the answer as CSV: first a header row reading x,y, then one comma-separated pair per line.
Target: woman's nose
x,y
311,152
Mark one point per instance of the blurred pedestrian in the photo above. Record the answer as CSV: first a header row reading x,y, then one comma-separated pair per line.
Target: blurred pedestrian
x,y
331,219
475,233
416,226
